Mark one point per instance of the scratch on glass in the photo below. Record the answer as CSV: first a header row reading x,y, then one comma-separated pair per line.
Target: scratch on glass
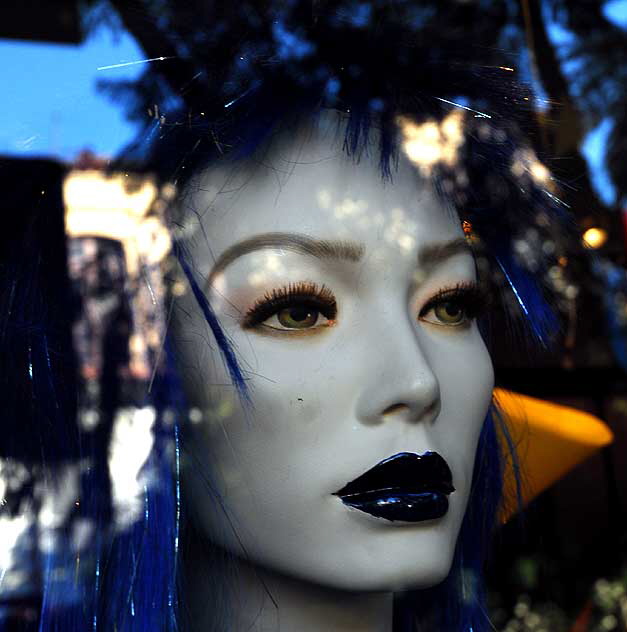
x,y
158,358
147,282
556,199
97,589
133,63
464,107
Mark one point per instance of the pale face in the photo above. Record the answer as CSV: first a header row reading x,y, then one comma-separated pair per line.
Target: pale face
x,y
353,353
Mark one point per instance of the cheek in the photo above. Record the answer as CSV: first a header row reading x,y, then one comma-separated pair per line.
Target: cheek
x,y
266,466
261,449
466,378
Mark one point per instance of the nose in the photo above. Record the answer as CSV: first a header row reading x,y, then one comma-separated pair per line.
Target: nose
x,y
400,384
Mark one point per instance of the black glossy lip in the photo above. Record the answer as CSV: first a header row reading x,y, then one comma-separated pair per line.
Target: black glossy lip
x,y
405,487
405,472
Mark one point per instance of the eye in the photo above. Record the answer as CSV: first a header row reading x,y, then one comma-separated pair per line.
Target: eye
x,y
295,317
297,307
454,307
450,313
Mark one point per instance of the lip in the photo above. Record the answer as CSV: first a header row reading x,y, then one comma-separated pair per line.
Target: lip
x,y
404,487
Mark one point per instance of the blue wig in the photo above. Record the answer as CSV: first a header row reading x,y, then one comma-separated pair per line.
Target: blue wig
x,y
255,72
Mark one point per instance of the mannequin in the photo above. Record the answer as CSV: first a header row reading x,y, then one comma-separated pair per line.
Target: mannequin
x,y
332,460
350,259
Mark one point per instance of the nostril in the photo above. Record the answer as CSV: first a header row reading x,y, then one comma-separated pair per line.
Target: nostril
x,y
395,408
433,410
429,411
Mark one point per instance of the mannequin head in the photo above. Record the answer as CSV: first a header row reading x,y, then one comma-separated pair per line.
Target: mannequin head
x,y
351,305
382,356
304,365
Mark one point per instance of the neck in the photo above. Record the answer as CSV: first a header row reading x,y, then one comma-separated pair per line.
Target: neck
x,y
258,600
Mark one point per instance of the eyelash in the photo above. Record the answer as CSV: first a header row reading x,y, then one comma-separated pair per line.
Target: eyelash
x,y
308,294
472,299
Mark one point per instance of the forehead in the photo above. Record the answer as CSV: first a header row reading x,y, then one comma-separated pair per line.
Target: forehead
x,y
308,185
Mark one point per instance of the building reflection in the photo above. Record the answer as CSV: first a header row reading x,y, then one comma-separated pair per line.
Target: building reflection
x,y
116,247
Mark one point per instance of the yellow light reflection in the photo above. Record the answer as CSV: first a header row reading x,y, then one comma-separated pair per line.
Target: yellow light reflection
x,y
116,207
431,143
526,161
85,190
595,237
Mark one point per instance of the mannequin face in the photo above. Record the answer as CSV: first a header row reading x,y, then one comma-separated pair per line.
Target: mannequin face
x,y
350,356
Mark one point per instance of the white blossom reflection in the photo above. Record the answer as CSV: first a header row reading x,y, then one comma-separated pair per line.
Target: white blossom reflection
x,y
131,442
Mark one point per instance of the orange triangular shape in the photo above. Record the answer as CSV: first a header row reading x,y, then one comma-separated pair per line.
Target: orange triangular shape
x,y
549,440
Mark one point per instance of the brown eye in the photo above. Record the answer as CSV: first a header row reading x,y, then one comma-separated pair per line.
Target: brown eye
x,y
455,307
298,307
298,317
450,313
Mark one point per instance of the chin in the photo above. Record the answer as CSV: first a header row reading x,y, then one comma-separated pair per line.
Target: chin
x,y
426,577
400,579
388,566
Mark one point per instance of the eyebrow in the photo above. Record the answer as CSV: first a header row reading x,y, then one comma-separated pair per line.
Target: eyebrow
x,y
429,257
432,255
302,244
